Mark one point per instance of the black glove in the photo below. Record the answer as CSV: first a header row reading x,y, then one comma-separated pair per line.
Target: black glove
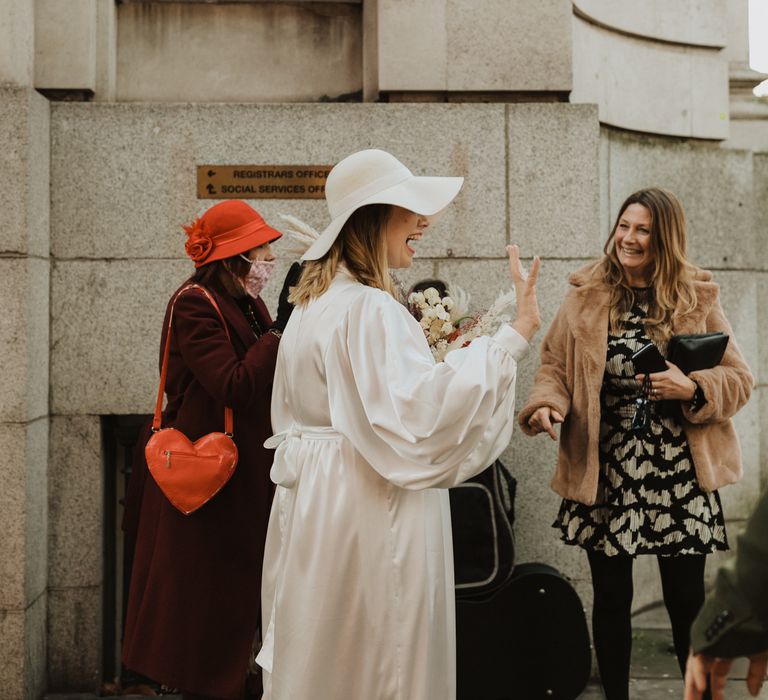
x,y
284,307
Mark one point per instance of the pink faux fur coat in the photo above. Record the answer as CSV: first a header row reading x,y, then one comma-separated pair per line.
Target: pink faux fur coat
x,y
570,377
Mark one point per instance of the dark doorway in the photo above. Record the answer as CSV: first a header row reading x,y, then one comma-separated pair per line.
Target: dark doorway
x,y
119,437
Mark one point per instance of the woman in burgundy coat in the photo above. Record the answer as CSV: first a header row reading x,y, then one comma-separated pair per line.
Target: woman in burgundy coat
x,y
193,608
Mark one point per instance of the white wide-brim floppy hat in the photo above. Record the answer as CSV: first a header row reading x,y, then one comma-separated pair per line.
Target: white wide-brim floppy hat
x,y
377,177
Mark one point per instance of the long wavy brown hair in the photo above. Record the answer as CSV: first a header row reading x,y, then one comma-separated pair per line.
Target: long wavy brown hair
x,y
673,294
361,245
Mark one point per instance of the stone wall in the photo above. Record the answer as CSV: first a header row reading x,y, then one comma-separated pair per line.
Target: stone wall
x,y
545,176
500,45
17,43
24,343
624,60
266,52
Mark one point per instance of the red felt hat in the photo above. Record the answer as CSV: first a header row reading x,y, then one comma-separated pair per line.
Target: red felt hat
x,y
226,229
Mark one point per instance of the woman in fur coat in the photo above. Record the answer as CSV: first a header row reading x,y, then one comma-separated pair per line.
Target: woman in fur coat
x,y
632,486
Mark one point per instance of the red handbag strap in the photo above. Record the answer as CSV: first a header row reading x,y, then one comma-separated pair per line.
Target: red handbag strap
x,y
156,422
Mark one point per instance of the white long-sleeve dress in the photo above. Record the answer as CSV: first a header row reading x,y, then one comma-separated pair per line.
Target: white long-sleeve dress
x,y
357,593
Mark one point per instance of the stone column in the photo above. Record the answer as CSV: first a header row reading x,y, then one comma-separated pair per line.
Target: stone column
x,y
17,42
625,59
462,50
749,114
65,48
24,288
106,50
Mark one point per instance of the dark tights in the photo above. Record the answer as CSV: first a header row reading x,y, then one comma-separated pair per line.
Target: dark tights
x,y
682,582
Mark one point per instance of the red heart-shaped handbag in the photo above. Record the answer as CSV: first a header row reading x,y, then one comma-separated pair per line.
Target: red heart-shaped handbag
x,y
189,473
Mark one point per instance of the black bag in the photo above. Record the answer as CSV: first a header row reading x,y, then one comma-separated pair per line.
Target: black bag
x,y
697,351
648,360
529,641
482,516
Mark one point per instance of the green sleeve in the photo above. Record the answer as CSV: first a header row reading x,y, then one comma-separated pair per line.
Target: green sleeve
x,y
734,619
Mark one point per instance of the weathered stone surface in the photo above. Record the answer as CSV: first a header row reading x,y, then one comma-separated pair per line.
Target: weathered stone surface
x,y
507,45
65,44
140,159
24,177
12,524
37,336
405,60
271,52
74,638
22,661
106,51
24,338
23,521
714,185
501,45
24,276
606,215
104,353
35,648
554,190
760,179
36,509
17,43
76,501
749,134
12,627
625,75
687,22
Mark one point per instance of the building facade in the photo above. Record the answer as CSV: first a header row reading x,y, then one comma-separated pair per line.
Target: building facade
x,y
553,111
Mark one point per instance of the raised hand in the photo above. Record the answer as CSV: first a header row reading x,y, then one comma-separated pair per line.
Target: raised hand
x,y
528,319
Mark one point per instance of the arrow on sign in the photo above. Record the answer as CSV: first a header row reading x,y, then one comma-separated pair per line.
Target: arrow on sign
x,y
211,173
210,189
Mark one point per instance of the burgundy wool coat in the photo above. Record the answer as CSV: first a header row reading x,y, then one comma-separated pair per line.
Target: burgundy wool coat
x,y
194,601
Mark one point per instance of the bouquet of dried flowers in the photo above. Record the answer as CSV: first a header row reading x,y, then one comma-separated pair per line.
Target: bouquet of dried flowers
x,y
447,322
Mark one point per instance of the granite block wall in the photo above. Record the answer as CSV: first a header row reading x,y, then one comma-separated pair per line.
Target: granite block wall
x,y
24,286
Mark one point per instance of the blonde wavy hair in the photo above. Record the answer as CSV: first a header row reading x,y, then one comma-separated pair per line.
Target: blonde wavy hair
x,y
673,292
361,245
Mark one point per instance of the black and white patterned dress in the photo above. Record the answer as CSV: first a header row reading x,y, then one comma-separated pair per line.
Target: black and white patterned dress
x,y
648,499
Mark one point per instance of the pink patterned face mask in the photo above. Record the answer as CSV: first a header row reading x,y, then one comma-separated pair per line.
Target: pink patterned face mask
x,y
258,276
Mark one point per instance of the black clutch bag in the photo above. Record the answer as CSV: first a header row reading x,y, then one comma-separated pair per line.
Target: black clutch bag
x,y
697,351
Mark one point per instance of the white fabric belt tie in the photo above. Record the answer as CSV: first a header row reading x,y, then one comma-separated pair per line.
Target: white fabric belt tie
x,y
285,471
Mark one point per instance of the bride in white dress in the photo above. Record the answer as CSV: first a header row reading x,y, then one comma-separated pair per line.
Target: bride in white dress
x,y
357,596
